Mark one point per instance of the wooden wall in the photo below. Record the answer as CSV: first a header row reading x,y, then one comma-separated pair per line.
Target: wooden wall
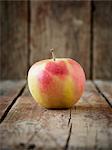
x,y
13,39
81,30
102,40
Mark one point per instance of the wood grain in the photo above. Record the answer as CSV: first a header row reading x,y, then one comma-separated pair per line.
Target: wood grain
x,y
102,40
87,126
106,89
64,26
29,125
8,92
91,122
28,29
13,39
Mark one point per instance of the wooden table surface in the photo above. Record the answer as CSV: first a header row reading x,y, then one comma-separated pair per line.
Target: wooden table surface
x,y
26,125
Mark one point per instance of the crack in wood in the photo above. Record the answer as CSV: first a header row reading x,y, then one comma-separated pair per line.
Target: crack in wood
x,y
91,41
68,138
102,94
12,103
29,35
69,120
70,130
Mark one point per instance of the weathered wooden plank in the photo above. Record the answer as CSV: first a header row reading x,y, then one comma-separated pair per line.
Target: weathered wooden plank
x,y
64,26
102,40
13,39
29,125
91,122
26,91
8,91
106,89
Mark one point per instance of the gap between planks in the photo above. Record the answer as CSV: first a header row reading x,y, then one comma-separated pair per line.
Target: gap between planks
x,y
29,35
102,94
91,39
68,138
70,131
12,103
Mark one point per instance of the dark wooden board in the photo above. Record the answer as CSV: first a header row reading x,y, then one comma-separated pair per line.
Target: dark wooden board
x,y
106,89
13,39
64,26
8,92
102,40
91,122
87,126
28,124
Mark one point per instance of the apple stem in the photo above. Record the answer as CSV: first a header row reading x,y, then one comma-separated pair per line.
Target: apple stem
x,y
52,52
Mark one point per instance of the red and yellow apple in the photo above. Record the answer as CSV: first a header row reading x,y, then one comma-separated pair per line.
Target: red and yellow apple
x,y
56,83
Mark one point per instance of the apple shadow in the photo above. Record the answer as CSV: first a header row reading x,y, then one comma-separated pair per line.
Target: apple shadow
x,y
57,108
83,108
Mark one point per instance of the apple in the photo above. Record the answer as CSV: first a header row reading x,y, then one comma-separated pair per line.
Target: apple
x,y
56,83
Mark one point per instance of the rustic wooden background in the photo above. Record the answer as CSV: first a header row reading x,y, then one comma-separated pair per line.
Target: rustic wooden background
x,y
81,30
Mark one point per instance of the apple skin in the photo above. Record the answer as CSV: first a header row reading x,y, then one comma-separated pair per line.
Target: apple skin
x,y
56,84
